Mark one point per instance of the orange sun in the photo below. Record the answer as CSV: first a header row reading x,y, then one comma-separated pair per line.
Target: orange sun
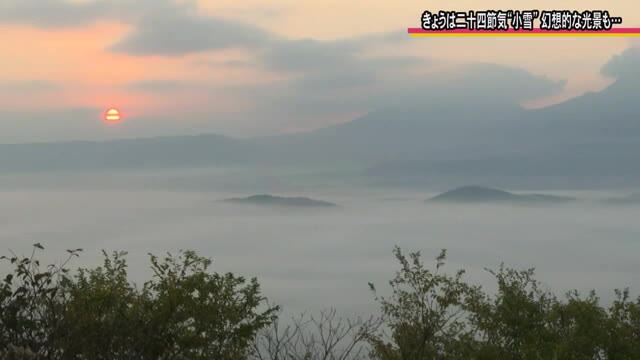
x,y
112,115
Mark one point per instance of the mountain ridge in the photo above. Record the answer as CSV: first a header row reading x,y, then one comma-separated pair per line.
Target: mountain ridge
x,y
283,201
483,194
571,139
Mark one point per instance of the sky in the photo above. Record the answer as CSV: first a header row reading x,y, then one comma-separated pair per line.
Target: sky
x,y
260,68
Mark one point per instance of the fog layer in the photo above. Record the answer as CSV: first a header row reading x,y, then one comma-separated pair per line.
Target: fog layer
x,y
312,258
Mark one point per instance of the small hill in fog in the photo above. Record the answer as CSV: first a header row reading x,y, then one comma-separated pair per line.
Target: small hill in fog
x,y
633,199
478,194
270,200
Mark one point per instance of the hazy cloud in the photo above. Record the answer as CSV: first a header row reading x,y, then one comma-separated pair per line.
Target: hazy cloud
x,y
180,31
51,13
307,101
311,54
300,102
316,67
176,34
390,84
29,86
622,65
634,41
353,73
333,79
328,67
232,63
307,55
70,14
505,82
167,86
326,78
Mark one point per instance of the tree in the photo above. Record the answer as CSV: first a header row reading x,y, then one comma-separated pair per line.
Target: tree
x,y
623,325
103,309
193,314
425,313
183,312
30,298
435,316
514,323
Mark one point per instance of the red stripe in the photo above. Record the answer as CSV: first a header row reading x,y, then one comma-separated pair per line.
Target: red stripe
x,y
534,31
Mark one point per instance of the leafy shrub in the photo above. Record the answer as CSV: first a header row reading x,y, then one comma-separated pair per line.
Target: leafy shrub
x,y
185,311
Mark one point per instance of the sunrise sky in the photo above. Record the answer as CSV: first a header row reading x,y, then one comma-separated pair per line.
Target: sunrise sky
x,y
256,67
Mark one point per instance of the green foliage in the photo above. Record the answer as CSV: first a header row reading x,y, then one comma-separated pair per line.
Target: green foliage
x,y
425,312
30,299
203,315
524,322
623,340
513,324
183,312
436,316
17,353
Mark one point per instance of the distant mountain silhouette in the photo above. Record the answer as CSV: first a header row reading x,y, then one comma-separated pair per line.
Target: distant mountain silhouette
x,y
592,138
401,132
481,194
271,200
157,152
